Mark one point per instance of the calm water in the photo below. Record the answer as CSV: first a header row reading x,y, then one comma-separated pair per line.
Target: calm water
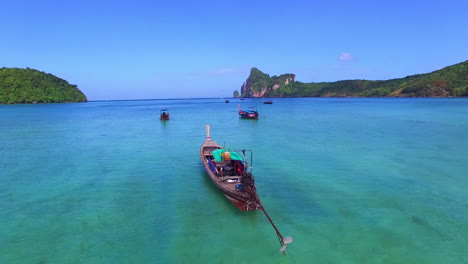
x,y
351,180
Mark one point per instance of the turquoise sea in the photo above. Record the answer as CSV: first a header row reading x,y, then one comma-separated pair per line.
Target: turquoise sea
x,y
352,180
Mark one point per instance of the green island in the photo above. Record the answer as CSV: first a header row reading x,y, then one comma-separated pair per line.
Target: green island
x,y
451,81
29,86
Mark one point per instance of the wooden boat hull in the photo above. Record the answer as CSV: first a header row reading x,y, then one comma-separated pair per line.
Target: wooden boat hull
x,y
164,115
244,201
249,116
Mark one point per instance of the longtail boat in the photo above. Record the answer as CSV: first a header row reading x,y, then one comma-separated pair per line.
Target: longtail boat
x,y
230,174
249,114
164,114
228,171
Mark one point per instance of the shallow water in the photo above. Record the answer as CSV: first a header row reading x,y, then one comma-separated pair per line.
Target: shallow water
x,y
352,180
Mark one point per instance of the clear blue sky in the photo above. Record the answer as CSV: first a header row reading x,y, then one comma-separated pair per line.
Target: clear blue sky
x,y
178,49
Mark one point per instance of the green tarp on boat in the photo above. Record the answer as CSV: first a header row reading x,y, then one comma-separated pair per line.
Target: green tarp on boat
x,y
217,154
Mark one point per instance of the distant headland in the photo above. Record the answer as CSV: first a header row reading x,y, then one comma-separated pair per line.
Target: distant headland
x,y
451,81
29,86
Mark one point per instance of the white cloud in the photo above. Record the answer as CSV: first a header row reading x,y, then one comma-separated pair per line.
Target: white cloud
x,y
345,56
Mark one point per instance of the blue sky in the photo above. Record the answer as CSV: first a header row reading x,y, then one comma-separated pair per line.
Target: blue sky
x,y
179,49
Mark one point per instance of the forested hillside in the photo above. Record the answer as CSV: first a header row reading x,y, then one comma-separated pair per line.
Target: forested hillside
x,y
19,86
449,81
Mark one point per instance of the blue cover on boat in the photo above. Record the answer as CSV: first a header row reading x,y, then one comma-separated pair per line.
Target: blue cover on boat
x,y
212,166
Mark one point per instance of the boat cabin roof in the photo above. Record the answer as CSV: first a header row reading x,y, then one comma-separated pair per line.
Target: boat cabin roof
x,y
218,155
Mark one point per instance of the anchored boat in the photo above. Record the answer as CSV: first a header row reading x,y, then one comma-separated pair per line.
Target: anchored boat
x,y
230,173
164,114
249,114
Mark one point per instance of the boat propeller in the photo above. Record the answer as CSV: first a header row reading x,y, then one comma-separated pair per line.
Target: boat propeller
x,y
285,242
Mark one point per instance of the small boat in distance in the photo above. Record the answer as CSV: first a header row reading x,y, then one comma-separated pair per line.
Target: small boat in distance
x,y
227,101
164,114
249,114
230,174
268,102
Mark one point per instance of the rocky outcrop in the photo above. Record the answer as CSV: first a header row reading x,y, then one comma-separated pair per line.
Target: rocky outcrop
x,y
258,84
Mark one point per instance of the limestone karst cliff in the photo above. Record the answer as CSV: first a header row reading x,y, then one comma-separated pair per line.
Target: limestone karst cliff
x,y
259,84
